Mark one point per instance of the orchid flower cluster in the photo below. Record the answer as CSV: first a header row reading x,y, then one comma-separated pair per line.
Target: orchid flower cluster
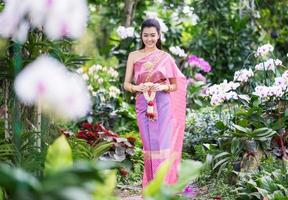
x,y
47,83
243,75
125,32
278,89
188,16
56,18
222,92
270,64
178,51
100,81
200,67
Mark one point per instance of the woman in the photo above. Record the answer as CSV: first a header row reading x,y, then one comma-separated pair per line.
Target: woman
x,y
160,90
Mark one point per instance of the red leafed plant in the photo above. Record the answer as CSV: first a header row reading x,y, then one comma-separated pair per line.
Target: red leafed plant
x,y
96,134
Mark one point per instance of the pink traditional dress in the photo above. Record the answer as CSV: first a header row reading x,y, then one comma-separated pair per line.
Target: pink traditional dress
x,y
162,137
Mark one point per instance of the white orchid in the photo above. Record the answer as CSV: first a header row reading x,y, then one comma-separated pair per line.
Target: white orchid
x,y
243,75
178,51
125,32
48,82
264,50
58,18
270,64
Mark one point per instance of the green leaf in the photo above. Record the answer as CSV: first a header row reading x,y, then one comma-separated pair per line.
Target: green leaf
x,y
189,170
12,178
267,183
1,194
221,154
263,192
59,156
101,148
220,125
105,189
242,129
221,162
154,186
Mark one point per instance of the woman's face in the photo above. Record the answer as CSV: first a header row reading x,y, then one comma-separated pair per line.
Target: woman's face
x,y
150,37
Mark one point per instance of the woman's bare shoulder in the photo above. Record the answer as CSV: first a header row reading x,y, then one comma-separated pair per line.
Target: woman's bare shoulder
x,y
134,53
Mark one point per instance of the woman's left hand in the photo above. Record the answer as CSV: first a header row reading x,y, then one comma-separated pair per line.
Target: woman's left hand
x,y
158,87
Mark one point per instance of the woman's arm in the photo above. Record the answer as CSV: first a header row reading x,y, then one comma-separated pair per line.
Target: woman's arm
x,y
170,87
173,85
128,86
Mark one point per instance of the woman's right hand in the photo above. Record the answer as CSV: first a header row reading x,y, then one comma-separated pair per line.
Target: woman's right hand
x,y
142,87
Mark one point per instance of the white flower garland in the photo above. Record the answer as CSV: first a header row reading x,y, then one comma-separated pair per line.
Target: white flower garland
x,y
150,104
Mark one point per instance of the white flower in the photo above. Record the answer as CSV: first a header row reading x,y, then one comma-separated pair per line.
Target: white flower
x,y
261,91
265,92
189,11
20,35
257,14
231,95
102,99
96,76
264,50
113,72
125,32
11,16
94,94
130,31
85,77
194,19
66,18
277,91
113,91
58,18
100,80
281,82
94,68
48,82
270,64
221,92
285,74
243,75
90,87
178,51
80,70
151,15
216,100
101,90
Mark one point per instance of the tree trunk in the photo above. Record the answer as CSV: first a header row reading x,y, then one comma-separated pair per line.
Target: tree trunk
x,y
129,10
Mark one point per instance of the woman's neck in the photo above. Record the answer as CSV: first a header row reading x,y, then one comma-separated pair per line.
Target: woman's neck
x,y
148,50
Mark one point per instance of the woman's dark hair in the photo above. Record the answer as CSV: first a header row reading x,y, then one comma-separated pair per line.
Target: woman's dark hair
x,y
151,23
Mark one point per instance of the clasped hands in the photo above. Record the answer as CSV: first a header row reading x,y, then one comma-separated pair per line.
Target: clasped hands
x,y
148,86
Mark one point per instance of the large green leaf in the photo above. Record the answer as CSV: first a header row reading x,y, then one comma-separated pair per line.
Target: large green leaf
x,y
189,170
14,179
154,186
106,188
59,156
